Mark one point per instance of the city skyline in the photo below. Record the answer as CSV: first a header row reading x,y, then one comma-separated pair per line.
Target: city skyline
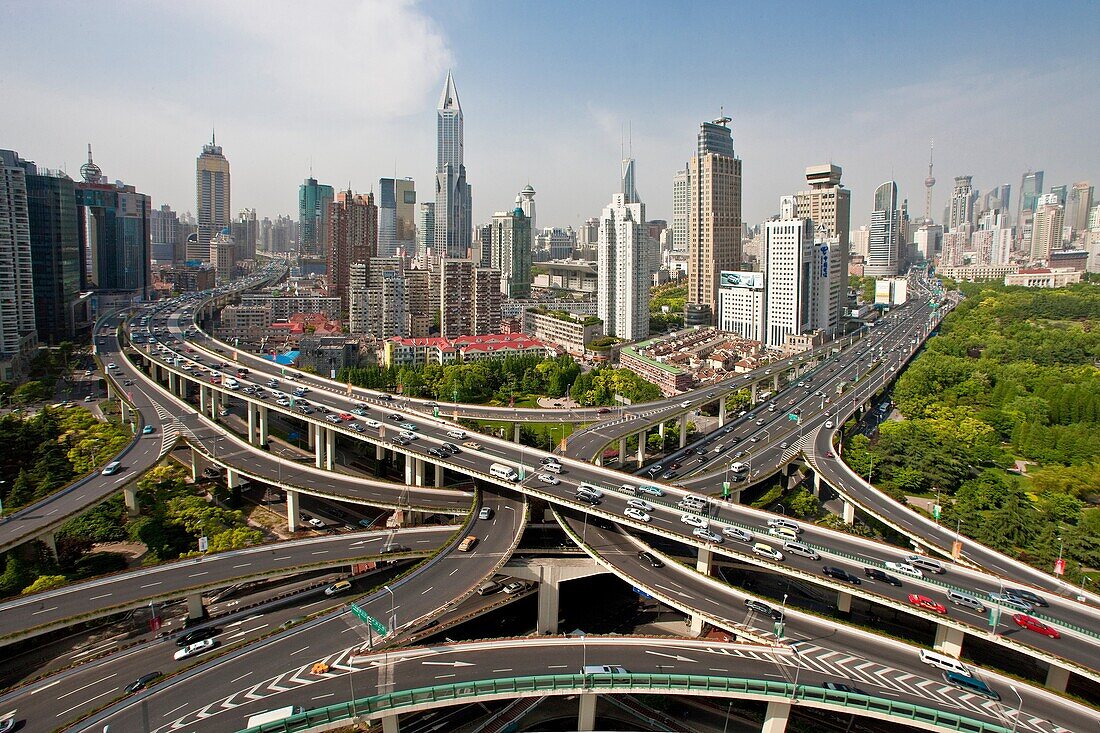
x,y
877,126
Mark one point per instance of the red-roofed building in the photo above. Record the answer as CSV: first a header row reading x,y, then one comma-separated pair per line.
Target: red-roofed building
x,y
415,351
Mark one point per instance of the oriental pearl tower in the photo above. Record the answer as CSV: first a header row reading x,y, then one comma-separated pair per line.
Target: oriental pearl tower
x,y
928,184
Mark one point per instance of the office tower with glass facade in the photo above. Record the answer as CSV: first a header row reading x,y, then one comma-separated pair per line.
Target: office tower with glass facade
x,y
314,202
883,242
212,203
453,207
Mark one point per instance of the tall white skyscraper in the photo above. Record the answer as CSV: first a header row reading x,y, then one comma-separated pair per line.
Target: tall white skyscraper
x,y
680,203
1046,228
425,228
792,303
212,191
883,243
622,264
961,208
452,193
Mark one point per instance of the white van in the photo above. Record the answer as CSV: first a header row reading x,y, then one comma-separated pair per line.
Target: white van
x,y
904,568
962,599
926,563
499,470
694,502
459,434
629,489
552,467
797,548
944,662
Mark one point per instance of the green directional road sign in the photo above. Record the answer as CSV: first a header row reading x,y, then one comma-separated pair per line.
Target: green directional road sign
x,y
725,489
435,412
378,626
994,616
936,511
792,417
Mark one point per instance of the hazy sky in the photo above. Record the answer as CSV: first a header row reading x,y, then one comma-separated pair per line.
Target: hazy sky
x,y
549,91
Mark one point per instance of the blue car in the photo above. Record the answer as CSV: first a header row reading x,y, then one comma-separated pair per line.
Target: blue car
x,y
409,426
147,430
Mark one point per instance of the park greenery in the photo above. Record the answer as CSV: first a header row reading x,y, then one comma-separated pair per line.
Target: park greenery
x,y
672,295
174,514
52,448
1001,421
477,382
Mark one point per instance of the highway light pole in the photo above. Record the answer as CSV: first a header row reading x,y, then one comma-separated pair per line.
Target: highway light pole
x,y
393,616
1019,708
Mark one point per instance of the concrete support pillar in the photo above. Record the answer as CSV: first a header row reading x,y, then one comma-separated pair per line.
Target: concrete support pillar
x,y
419,471
849,512
252,422
311,434
129,494
262,438
438,475
775,383
817,485
661,430
683,430
390,724
203,392
330,449
775,718
599,458
124,410
183,388
215,403
51,543
379,452
844,602
949,640
195,608
735,496
549,593
622,452
515,434
754,390
232,478
409,470
704,561
173,384
641,447
721,411
319,449
586,717
1057,678
292,511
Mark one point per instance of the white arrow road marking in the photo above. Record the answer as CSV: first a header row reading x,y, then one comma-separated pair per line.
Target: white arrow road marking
x,y
451,664
677,657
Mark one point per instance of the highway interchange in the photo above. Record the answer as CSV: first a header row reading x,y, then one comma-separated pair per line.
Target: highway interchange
x,y
845,551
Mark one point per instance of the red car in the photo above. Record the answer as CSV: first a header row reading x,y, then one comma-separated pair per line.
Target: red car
x,y
926,603
1033,624
347,416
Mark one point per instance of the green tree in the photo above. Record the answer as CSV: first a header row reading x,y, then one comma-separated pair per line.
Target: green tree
x,y
44,583
802,503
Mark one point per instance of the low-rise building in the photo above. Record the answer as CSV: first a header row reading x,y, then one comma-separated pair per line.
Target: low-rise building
x,y
1045,277
284,304
400,352
975,273
669,378
572,333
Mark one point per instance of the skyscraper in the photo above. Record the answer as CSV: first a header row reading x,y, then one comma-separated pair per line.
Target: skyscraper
x,y
314,202
527,203
1078,207
55,252
962,204
1031,188
510,247
246,231
425,228
622,263
1046,227
396,217
164,226
829,205
883,241
212,198
353,237
680,211
714,218
999,198
789,255
17,334
453,209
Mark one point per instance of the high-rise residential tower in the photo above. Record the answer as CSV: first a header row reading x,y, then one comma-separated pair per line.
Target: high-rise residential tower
x,y
17,333
680,211
714,218
314,202
829,205
788,258
353,237
212,198
510,247
1046,227
246,232
622,263
1031,188
961,209
1079,206
883,242
425,228
453,208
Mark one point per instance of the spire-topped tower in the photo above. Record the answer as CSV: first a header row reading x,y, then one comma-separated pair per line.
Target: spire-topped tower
x,y
629,190
928,184
453,213
90,171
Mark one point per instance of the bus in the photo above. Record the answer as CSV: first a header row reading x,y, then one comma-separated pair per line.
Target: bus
x,y
499,470
273,716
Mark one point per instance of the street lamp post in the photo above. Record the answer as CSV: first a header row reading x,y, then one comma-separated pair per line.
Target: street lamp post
x,y
798,669
1019,708
393,616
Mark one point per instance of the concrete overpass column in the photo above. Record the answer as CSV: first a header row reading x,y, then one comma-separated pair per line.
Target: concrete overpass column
x,y
844,602
549,592
849,512
390,724
252,422
515,434
599,458
262,438
129,494
683,430
721,411
50,541
123,410
232,478
292,511
949,640
586,716
817,484
622,452
311,432
661,431
641,447
704,561
330,449
203,398
775,383
419,469
379,452
409,470
755,385
319,449
173,384
438,475
195,609
1057,678
215,403
775,719
183,388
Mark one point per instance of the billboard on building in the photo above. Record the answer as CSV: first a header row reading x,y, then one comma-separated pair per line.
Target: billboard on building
x,y
739,279
882,292
901,291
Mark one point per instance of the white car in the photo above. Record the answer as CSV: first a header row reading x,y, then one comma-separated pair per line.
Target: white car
x,y
904,568
459,434
199,647
406,434
593,490
637,514
315,522
708,536
548,478
372,423
767,551
694,520
640,505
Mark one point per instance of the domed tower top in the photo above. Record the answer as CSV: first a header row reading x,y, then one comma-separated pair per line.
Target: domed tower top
x,y
90,171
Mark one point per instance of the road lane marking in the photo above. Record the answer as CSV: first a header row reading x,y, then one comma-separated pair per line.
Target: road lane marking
x,y
319,552
196,575
74,707
322,697
44,610
558,666
183,706
238,679
284,557
85,687
245,565
96,598
299,651
445,676
506,669
428,590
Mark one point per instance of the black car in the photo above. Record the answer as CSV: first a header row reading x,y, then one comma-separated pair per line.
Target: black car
x,y
395,417
876,574
763,608
451,448
1026,595
841,687
197,635
668,475
840,574
142,682
437,453
588,499
649,557
399,440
